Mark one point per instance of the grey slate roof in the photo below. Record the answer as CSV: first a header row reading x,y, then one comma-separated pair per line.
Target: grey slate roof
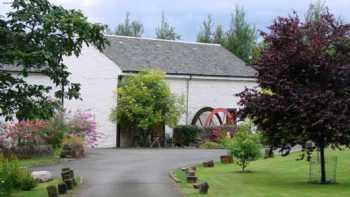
x,y
175,57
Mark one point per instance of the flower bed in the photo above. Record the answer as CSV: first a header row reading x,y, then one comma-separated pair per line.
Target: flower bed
x,y
33,138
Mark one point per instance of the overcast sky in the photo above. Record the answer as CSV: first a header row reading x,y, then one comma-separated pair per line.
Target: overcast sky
x,y
187,15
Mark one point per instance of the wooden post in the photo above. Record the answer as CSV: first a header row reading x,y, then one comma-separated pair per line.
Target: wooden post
x,y
52,191
208,164
192,179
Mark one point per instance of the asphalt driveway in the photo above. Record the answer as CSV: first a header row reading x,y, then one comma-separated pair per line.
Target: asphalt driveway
x,y
132,172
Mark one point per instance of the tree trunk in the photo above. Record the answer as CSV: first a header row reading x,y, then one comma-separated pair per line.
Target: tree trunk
x,y
243,166
323,164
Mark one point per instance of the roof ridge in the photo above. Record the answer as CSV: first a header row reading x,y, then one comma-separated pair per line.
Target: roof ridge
x,y
162,40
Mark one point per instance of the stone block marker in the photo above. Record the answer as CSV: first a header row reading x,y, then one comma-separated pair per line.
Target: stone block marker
x,y
68,177
72,151
192,179
203,188
208,164
62,188
52,191
191,173
69,184
226,159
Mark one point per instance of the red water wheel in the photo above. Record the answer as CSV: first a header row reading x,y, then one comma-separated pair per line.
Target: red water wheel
x,y
210,117
225,116
201,116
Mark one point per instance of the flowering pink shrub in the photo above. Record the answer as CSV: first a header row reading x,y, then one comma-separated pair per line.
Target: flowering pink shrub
x,y
34,132
83,124
22,132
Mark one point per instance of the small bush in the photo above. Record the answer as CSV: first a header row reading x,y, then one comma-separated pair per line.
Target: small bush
x,y
210,145
26,181
245,145
55,129
186,135
4,188
6,184
83,124
11,172
12,176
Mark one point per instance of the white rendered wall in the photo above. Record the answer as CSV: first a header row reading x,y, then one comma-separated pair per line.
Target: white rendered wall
x,y
98,77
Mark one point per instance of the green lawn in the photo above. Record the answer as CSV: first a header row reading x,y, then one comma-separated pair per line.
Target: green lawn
x,y
41,161
280,176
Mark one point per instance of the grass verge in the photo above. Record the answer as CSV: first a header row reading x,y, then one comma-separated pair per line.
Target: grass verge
x,y
276,177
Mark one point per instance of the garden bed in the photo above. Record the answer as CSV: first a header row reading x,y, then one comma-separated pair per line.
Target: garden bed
x,y
271,177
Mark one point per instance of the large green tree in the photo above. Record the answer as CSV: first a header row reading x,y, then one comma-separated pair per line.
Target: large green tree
x,y
208,35
165,31
219,35
241,37
144,102
205,34
315,11
129,28
37,35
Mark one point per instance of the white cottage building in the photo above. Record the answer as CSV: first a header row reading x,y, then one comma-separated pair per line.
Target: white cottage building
x,y
206,75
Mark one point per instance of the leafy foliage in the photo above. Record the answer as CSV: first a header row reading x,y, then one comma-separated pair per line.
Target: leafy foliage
x,y
315,11
35,36
305,68
132,29
210,145
13,176
27,182
219,35
185,135
54,129
165,31
241,36
205,35
245,145
145,101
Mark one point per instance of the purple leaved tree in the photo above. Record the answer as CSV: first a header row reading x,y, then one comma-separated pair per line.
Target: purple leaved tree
x,y
304,75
